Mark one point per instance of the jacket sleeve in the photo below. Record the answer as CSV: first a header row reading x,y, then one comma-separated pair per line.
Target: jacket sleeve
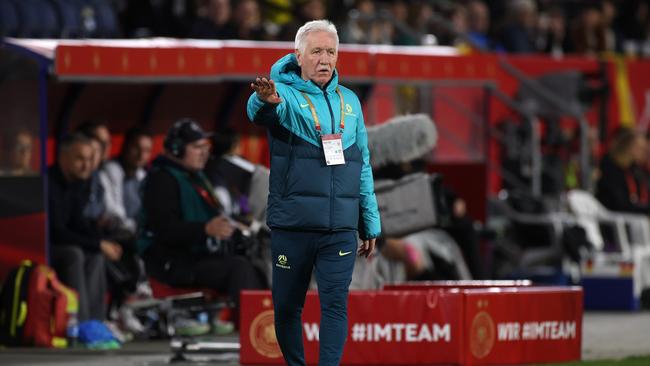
x,y
112,179
370,224
266,114
61,231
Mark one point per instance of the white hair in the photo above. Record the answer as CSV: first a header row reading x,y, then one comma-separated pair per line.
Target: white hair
x,y
315,26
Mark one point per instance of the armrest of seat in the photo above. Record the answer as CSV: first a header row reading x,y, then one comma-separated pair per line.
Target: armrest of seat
x,y
618,223
639,228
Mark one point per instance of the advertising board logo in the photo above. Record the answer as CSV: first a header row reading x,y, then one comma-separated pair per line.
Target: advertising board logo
x,y
262,335
482,335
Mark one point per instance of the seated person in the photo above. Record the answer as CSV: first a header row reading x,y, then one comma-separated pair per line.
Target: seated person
x,y
114,204
77,251
124,176
229,180
98,129
95,208
183,227
452,218
621,186
460,226
19,147
123,271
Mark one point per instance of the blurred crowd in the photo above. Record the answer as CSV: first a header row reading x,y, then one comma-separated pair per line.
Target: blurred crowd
x,y
518,26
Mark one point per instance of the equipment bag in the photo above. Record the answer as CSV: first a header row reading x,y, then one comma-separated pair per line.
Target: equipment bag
x,y
35,307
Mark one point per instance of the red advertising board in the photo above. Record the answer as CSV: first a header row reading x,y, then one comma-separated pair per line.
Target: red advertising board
x,y
522,325
462,327
463,284
384,327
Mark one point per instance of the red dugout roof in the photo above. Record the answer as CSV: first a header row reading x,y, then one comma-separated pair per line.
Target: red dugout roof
x,y
162,59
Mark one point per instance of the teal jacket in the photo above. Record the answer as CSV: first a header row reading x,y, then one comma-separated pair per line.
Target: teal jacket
x,y
305,193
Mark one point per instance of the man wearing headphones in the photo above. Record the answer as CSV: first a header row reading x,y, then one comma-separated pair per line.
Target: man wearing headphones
x,y
183,224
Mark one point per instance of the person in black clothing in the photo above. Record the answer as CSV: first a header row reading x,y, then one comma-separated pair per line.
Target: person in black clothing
x,y
304,12
460,226
77,251
619,187
185,233
217,23
517,34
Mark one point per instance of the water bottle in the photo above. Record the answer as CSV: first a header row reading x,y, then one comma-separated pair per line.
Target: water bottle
x,y
72,330
203,317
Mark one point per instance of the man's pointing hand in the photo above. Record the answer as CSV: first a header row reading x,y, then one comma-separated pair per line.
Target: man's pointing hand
x,y
265,90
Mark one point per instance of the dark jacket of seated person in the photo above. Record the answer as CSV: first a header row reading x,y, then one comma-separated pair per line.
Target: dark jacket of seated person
x,y
68,225
182,222
621,186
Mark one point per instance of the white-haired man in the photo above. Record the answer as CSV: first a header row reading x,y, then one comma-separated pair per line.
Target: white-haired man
x,y
321,187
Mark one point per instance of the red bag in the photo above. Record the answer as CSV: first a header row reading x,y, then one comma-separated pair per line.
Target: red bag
x,y
38,313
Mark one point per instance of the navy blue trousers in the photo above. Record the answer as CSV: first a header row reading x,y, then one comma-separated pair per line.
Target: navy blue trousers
x,y
295,255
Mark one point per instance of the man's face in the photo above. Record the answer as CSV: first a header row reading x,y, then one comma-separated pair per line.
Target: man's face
x,y
98,154
104,135
219,11
196,155
21,158
139,153
76,162
319,58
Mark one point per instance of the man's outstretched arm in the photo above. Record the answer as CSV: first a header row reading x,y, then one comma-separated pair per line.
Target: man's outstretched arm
x,y
265,106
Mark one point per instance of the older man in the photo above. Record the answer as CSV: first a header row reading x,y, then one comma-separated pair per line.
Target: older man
x,y
321,187
77,249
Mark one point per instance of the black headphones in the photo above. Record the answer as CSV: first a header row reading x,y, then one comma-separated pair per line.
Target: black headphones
x,y
173,141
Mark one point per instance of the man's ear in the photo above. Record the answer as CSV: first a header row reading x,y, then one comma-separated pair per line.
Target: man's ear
x,y
299,58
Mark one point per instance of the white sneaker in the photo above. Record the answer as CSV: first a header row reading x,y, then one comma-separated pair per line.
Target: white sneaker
x,y
143,290
129,321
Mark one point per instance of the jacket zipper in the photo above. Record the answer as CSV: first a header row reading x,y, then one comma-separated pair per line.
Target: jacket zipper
x,y
286,173
329,107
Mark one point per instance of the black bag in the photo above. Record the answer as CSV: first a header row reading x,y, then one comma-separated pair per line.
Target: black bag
x,y
13,311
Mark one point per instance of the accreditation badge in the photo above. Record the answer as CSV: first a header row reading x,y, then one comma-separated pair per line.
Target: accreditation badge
x,y
333,148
